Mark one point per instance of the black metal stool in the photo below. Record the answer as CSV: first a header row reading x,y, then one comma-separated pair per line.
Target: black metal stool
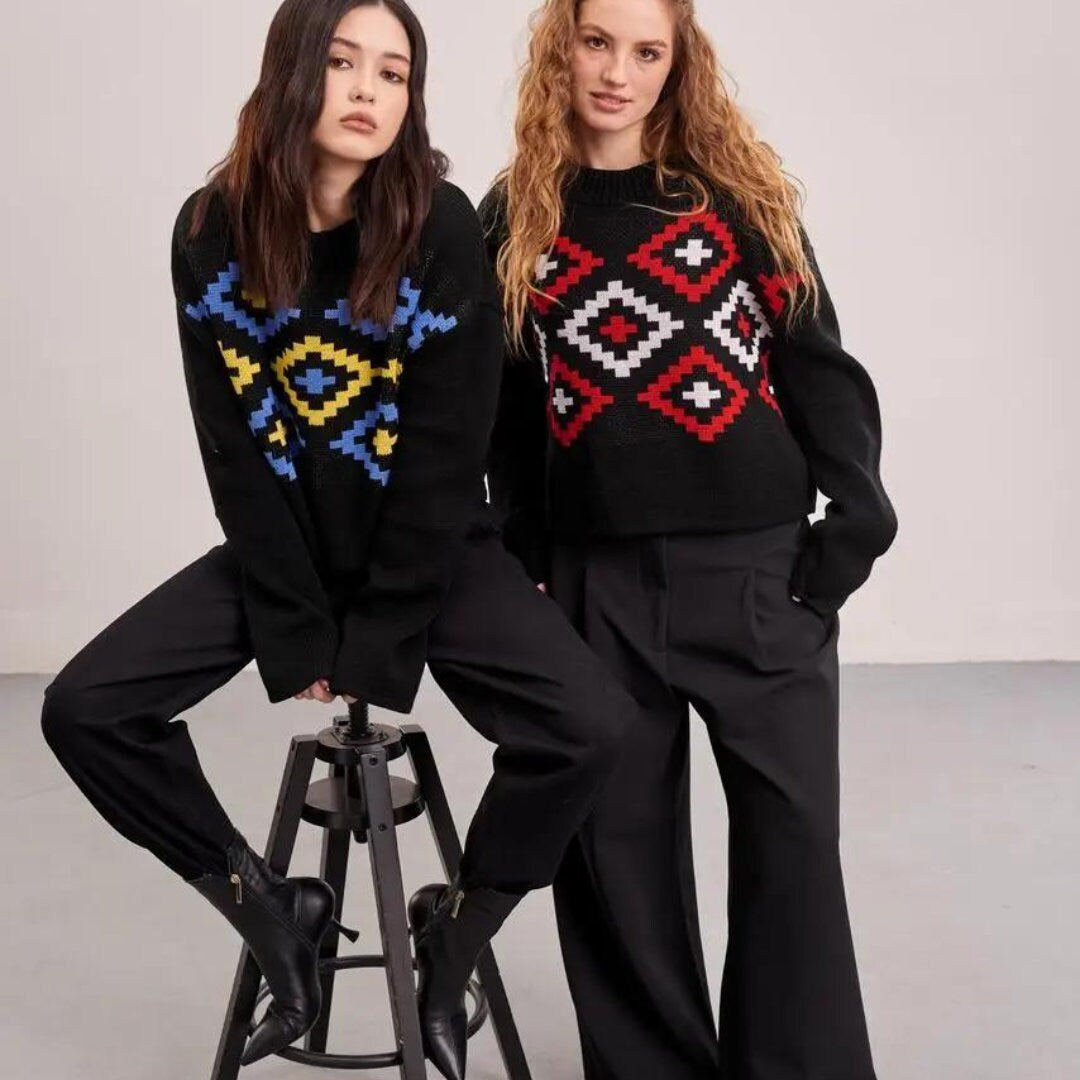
x,y
363,798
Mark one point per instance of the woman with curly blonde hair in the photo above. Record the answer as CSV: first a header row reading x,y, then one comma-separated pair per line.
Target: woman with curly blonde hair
x,y
675,397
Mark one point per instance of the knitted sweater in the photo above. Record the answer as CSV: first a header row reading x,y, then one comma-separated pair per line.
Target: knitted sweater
x,y
661,392
345,459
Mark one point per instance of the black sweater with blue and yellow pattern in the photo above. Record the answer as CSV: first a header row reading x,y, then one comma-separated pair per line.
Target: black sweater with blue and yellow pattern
x,y
345,459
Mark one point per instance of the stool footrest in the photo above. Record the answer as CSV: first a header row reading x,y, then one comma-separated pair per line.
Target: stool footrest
x,y
389,1058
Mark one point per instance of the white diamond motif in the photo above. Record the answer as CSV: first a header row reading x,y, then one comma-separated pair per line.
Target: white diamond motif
x,y
720,324
662,328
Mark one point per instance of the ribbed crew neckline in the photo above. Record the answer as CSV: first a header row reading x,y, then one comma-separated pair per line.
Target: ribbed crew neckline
x,y
608,187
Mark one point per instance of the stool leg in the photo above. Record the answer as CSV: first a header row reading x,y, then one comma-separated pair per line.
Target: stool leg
x,y
390,901
335,863
279,849
449,845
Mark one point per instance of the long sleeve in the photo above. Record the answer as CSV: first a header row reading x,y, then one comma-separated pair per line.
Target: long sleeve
x,y
832,408
446,406
518,451
293,630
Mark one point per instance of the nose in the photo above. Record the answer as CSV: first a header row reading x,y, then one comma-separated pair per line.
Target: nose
x,y
614,71
363,88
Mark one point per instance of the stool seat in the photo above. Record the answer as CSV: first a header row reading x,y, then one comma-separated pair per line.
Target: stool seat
x,y
362,800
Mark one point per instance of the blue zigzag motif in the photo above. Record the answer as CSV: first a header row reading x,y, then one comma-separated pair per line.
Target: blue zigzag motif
x,y
409,297
261,418
353,442
216,301
427,323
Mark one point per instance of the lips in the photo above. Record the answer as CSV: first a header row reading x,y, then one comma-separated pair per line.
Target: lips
x,y
360,121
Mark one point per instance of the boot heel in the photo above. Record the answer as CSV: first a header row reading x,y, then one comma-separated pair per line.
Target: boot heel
x,y
352,935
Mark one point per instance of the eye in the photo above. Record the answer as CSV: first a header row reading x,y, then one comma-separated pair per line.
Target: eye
x,y
594,42
392,76
650,55
336,62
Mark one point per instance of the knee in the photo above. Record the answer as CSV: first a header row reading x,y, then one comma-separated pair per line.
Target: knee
x,y
606,718
60,715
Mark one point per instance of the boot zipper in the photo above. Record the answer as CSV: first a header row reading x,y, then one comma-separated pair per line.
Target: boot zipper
x,y
236,880
459,895
234,877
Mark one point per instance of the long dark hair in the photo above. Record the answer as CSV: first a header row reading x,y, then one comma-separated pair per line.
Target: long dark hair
x,y
264,177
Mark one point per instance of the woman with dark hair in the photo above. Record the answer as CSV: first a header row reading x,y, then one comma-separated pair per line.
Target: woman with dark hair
x,y
680,396
342,345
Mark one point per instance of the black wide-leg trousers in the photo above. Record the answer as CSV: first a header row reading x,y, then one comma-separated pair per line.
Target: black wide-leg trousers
x,y
502,652
708,622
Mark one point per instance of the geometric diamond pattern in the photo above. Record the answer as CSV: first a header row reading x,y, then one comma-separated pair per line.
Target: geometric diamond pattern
x,y
320,378
422,324
245,312
740,324
570,263
370,440
275,430
619,329
691,255
699,394
573,402
314,380
409,300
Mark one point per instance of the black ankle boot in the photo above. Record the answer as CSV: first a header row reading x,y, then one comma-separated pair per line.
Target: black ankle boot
x,y
282,920
450,927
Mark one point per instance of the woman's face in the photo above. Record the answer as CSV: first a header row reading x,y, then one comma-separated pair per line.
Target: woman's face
x,y
622,58
367,86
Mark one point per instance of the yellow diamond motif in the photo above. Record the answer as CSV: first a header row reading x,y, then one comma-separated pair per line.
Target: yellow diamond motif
x,y
359,374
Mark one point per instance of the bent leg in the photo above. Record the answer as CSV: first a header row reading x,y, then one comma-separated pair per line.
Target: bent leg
x,y
108,714
512,665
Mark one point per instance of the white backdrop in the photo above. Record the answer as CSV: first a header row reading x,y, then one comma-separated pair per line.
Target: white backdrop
x,y
932,137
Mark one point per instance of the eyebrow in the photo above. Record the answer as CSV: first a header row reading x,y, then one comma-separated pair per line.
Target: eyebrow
x,y
357,48
659,43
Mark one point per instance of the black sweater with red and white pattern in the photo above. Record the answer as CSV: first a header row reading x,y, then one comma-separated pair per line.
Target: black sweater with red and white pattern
x,y
662,392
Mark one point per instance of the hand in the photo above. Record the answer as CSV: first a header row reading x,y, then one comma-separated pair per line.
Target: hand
x,y
319,690
542,586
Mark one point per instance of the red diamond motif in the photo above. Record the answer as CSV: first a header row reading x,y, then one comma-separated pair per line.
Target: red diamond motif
x,y
582,263
650,256
580,405
659,395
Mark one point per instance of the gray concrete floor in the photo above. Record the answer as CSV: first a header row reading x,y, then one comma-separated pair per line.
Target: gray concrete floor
x,y
960,809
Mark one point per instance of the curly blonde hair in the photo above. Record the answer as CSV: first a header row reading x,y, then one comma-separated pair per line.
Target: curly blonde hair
x,y
695,133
